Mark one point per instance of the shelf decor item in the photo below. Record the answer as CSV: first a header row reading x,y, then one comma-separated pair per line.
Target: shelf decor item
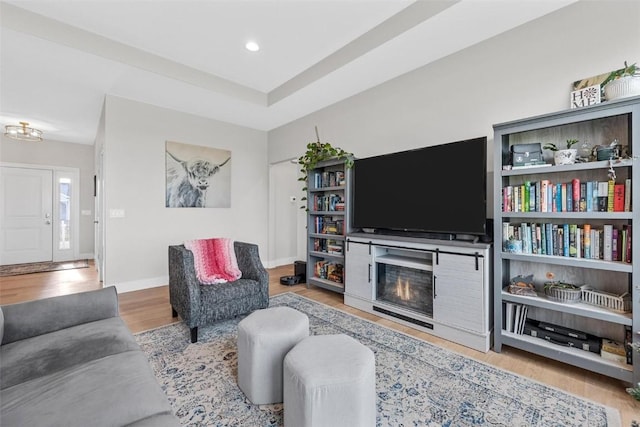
x,y
620,303
565,156
560,291
623,82
522,285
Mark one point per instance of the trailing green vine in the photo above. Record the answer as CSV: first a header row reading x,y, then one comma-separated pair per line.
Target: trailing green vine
x,y
318,152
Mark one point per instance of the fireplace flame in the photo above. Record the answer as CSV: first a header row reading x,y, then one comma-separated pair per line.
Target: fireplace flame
x,y
402,289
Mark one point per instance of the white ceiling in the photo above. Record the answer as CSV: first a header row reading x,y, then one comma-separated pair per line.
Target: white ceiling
x,y
59,58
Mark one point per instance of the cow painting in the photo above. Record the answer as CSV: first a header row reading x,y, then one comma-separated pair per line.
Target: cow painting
x,y
191,178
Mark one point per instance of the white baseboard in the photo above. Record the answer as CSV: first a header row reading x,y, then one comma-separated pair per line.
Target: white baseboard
x,y
279,262
88,255
137,285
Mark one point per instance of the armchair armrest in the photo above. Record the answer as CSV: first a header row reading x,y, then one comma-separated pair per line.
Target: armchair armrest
x,y
33,318
184,287
250,264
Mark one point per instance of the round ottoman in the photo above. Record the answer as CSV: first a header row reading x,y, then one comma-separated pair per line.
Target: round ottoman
x,y
329,380
264,338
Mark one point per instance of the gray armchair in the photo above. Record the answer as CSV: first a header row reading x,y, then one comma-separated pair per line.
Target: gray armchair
x,y
200,305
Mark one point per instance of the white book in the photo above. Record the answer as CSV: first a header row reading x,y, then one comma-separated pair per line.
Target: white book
x,y
578,242
607,240
516,318
523,318
509,317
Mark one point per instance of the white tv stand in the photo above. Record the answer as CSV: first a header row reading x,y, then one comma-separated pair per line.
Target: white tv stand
x,y
456,292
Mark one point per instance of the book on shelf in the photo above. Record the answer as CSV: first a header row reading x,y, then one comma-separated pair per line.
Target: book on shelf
x,y
628,339
610,201
618,198
607,253
603,191
575,196
627,195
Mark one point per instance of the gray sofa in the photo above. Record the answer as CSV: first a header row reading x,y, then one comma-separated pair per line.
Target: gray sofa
x,y
72,361
200,305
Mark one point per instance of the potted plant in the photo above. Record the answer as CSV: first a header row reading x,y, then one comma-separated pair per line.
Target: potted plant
x,y
561,291
318,152
623,82
566,156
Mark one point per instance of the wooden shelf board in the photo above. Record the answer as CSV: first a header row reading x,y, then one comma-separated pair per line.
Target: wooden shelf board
x,y
574,356
597,264
580,309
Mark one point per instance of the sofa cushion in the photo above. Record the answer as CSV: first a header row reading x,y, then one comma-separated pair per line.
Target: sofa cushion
x,y
115,390
45,354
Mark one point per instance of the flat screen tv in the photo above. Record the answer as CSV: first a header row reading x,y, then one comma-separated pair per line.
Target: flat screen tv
x,y
437,189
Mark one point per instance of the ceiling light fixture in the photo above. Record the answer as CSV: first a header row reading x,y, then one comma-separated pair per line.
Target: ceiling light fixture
x,y
252,46
23,132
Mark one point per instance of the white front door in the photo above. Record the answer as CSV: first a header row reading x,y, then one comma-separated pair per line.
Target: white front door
x,y
26,215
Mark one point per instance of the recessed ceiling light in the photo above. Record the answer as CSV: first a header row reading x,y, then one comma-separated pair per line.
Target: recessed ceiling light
x,y
252,46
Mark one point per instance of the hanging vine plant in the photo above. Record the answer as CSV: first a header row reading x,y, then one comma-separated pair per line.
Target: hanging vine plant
x,y
318,152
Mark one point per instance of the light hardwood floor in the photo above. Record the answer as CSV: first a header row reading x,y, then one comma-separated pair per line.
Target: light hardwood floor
x,y
149,308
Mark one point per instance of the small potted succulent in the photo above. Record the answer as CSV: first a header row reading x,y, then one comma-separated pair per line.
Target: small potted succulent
x,y
565,156
623,82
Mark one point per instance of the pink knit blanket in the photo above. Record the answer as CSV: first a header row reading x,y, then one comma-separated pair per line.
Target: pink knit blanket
x,y
214,260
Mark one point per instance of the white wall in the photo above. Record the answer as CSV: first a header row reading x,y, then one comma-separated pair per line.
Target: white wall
x,y
526,71
134,179
58,153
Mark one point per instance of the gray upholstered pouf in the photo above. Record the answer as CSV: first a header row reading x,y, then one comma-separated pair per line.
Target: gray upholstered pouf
x,y
329,380
264,338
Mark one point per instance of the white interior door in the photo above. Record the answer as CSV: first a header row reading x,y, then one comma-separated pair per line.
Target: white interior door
x,y
26,215
285,193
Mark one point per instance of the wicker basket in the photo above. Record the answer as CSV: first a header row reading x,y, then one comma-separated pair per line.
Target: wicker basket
x,y
619,303
564,295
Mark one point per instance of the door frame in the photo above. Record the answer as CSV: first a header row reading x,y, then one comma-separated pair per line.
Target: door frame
x,y
74,175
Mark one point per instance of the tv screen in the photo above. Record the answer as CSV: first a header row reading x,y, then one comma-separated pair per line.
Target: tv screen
x,y
436,189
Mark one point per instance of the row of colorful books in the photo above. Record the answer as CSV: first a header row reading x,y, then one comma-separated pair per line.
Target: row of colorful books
x,y
329,270
328,202
608,243
574,196
328,225
329,246
329,179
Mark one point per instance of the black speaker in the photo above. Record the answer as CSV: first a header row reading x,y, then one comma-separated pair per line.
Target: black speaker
x,y
300,270
488,231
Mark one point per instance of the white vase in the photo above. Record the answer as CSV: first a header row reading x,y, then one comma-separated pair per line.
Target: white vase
x,y
565,157
622,87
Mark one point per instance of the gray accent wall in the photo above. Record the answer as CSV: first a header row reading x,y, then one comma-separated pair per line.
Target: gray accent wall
x,y
136,245
524,72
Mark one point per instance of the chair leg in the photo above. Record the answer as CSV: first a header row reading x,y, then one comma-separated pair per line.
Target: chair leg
x,y
174,313
194,334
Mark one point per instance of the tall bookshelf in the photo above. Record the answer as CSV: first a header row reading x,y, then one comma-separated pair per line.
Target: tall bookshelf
x,y
597,125
327,224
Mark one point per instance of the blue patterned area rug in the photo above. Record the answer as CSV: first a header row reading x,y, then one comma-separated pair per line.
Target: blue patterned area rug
x,y
418,383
